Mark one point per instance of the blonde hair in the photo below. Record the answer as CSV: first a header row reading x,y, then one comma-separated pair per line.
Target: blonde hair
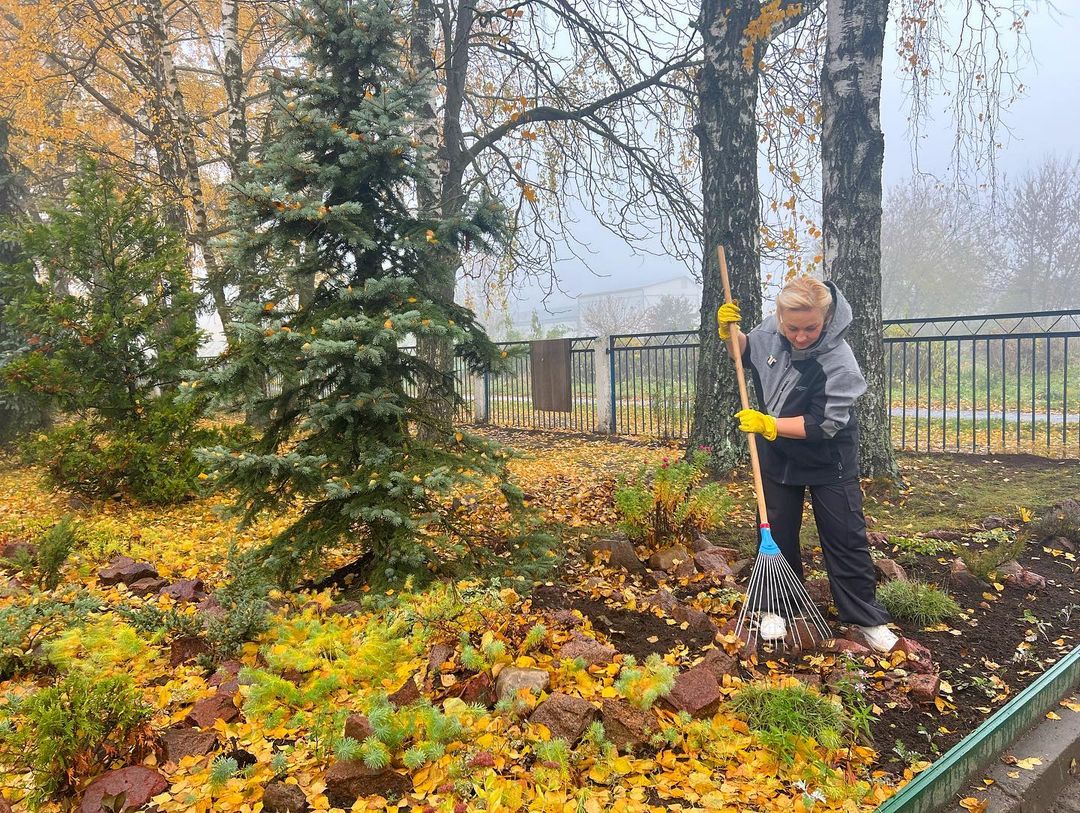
x,y
804,294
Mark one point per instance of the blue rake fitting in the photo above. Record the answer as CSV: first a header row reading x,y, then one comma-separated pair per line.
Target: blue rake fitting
x,y
768,546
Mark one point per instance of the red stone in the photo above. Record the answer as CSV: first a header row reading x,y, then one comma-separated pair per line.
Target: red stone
x,y
206,712
147,586
178,743
186,649
136,783
279,797
357,727
918,656
626,725
696,692
226,673
479,688
408,694
344,608
590,650
125,570
924,688
890,571
347,781
713,562
185,590
565,716
720,663
847,646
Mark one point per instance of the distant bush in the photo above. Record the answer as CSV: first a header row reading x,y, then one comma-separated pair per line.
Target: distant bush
x,y
151,460
1062,520
1002,548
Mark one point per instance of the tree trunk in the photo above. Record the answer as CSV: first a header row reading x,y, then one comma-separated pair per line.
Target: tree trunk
x,y
452,158
183,136
727,97
235,94
852,152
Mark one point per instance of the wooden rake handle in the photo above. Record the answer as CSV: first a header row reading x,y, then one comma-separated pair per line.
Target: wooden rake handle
x,y
733,346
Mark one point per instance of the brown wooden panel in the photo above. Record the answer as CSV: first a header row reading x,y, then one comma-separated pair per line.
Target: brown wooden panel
x,y
550,362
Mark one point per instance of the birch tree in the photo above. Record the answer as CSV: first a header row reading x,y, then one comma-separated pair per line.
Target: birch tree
x,y
735,38
852,154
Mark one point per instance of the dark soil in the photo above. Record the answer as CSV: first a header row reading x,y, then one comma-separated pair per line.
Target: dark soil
x,y
628,631
997,652
1006,637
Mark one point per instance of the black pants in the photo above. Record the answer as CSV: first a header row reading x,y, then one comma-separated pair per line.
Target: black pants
x,y
842,529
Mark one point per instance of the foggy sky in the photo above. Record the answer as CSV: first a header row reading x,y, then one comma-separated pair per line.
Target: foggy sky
x,y
1046,119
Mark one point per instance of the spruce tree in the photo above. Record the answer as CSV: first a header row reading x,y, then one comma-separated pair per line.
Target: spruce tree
x,y
328,224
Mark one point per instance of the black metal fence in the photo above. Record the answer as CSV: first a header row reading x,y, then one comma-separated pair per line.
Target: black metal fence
x,y
509,395
999,383
653,383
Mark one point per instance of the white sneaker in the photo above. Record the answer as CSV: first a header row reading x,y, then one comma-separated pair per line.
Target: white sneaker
x,y
880,638
772,627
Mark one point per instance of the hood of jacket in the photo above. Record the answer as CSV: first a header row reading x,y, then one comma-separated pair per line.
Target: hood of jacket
x,y
833,334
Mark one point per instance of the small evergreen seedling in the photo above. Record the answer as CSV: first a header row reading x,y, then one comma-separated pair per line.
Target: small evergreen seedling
x,y
375,754
54,547
536,636
644,686
222,769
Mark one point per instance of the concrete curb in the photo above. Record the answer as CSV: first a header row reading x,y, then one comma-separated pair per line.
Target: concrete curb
x,y
1056,743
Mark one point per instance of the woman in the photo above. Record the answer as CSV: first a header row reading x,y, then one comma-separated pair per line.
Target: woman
x,y
807,381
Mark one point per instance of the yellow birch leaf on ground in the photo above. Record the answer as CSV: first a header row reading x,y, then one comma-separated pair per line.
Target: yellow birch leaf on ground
x,y
1028,763
1050,715
972,804
1071,705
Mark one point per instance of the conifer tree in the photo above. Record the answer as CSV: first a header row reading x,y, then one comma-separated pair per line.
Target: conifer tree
x,y
20,411
328,223
100,299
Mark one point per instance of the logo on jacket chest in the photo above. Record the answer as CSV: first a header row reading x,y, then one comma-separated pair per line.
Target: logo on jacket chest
x,y
771,361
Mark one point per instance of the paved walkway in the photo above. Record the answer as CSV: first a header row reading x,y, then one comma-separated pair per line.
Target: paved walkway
x,y
1069,801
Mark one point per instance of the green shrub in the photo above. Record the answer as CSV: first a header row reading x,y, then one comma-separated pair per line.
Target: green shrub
x,y
782,716
243,600
918,602
66,733
1002,547
150,460
54,547
668,503
24,629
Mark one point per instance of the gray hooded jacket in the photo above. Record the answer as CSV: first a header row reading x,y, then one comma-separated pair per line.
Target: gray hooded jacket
x,y
820,383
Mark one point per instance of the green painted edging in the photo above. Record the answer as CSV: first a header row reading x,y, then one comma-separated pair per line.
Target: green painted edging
x,y
937,785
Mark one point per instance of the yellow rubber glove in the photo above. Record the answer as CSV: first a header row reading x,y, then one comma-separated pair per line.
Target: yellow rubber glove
x,y
727,315
750,420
